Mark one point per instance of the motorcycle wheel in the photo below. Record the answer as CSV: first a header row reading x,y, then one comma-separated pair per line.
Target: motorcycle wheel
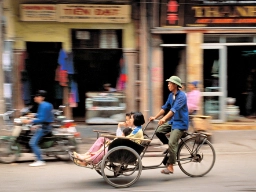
x,y
8,151
66,145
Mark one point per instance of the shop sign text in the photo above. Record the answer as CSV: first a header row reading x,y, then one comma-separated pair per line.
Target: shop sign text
x,y
224,14
87,13
94,13
38,12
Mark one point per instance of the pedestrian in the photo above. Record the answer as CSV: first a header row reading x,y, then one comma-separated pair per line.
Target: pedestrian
x,y
175,122
45,118
193,97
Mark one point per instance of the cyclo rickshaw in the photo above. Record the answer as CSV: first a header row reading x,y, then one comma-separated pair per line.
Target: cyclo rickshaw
x,y
121,166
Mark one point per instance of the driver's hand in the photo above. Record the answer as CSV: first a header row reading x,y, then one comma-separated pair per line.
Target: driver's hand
x,y
161,121
30,115
152,118
26,121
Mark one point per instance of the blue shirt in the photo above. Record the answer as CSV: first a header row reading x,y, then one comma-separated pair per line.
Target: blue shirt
x,y
180,119
44,113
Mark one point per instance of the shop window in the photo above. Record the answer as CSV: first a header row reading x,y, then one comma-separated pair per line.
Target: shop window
x,y
211,39
108,39
174,39
235,39
228,38
93,38
212,106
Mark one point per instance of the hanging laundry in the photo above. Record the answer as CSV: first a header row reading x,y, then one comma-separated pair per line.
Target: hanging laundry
x,y
69,63
71,100
74,90
62,59
58,91
122,77
61,76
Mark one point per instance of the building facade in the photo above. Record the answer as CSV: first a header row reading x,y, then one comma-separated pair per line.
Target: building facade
x,y
209,41
100,36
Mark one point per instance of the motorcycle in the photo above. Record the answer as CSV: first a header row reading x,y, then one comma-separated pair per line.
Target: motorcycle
x,y
54,144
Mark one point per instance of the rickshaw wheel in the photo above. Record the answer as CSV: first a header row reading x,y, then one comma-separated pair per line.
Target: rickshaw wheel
x,y
125,163
109,176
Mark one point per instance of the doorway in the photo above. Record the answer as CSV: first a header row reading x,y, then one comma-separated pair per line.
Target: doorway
x,y
241,78
94,67
174,64
40,66
214,82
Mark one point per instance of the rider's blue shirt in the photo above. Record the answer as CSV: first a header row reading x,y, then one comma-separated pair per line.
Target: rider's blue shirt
x,y
178,105
44,113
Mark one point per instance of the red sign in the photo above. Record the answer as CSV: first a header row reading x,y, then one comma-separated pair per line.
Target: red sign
x,y
172,12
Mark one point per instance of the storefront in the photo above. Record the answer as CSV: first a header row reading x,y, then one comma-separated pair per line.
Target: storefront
x,y
212,42
94,39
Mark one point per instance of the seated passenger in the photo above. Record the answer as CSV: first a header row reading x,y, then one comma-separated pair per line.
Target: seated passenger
x,y
125,124
96,152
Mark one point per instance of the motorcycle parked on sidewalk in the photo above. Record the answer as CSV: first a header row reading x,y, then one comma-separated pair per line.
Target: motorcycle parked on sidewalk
x,y
54,144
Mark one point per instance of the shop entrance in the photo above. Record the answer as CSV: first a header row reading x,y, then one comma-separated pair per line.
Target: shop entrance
x,y
241,78
174,59
174,64
214,83
229,74
97,59
94,68
39,70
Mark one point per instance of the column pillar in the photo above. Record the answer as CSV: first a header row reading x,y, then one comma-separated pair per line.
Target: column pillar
x,y
195,58
18,65
157,74
130,62
144,71
2,101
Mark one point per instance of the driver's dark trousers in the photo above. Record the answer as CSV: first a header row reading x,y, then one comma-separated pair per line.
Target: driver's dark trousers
x,y
40,132
175,135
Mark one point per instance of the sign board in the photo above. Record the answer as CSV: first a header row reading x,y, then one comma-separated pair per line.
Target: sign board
x,y
38,12
209,13
89,13
220,13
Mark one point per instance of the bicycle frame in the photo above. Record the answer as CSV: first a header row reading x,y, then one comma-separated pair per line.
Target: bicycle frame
x,y
182,140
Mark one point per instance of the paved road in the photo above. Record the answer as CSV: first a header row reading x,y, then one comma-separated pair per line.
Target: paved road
x,y
234,170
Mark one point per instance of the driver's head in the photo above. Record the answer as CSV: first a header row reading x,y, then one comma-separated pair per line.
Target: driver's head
x,y
40,96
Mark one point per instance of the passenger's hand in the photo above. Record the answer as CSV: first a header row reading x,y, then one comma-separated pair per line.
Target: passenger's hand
x,y
161,121
152,118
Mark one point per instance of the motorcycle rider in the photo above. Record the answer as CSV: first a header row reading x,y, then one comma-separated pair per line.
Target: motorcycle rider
x,y
45,118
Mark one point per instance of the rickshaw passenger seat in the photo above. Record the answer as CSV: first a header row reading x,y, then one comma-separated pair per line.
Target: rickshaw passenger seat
x,y
122,154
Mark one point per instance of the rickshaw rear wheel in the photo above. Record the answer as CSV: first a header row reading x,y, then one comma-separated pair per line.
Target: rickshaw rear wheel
x,y
125,163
